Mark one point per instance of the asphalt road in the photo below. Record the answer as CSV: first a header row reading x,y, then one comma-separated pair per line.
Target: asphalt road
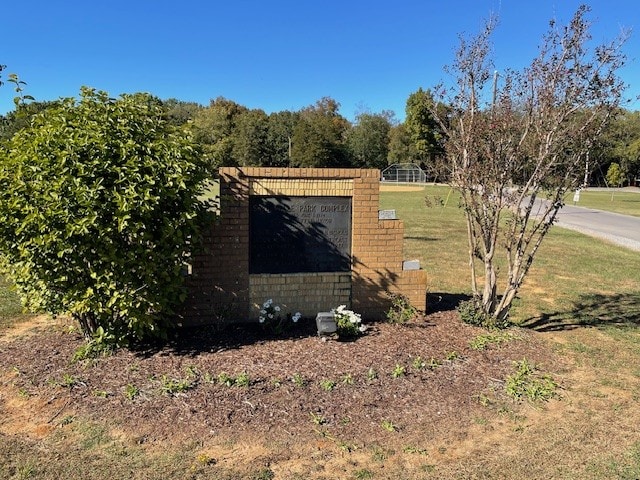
x,y
622,230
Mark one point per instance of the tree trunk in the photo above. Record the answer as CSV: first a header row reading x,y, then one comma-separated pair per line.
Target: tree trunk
x,y
88,324
490,288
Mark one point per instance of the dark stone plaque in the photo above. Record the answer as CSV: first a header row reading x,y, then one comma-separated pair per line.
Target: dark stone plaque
x,y
299,234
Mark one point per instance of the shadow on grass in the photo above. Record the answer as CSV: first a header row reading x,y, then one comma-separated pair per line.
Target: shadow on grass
x,y
422,238
620,310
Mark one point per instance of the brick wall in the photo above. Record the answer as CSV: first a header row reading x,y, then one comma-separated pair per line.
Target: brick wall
x,y
221,288
307,293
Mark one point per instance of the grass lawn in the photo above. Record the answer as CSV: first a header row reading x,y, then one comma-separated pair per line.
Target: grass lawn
x,y
624,201
10,307
435,233
581,300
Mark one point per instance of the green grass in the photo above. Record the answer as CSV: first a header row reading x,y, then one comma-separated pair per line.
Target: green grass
x,y
11,310
590,272
427,228
89,451
616,200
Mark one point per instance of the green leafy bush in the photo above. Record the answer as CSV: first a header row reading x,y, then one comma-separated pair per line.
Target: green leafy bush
x,y
401,310
98,212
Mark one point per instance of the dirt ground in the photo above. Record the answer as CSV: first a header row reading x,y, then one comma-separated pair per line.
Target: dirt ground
x,y
390,187
295,403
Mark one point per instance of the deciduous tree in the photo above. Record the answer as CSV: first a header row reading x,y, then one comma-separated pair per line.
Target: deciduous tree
x,y
250,145
319,136
180,112
368,140
214,127
401,148
20,118
524,142
280,137
423,128
615,175
621,143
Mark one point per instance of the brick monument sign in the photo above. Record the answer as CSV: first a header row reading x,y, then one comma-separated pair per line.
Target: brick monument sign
x,y
308,238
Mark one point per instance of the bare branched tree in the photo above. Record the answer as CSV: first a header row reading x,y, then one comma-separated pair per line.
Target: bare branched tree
x,y
517,142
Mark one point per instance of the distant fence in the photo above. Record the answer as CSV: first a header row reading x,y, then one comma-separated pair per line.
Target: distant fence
x,y
404,172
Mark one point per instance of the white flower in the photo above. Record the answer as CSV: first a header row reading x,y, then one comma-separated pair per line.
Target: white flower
x,y
362,328
296,317
277,308
263,312
270,315
261,319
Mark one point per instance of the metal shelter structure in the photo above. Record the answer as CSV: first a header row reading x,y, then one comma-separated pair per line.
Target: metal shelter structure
x,y
404,173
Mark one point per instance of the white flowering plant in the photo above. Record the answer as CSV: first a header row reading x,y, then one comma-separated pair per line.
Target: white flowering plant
x,y
348,323
272,317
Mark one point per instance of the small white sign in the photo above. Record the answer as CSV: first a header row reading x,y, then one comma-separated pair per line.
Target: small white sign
x,y
576,196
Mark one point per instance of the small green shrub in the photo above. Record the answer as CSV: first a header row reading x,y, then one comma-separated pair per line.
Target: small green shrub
x,y
172,386
327,385
418,363
481,342
347,379
298,380
453,355
389,426
471,313
433,363
348,323
243,380
416,450
401,310
363,474
265,474
101,344
68,381
399,371
274,320
317,418
131,392
225,379
528,383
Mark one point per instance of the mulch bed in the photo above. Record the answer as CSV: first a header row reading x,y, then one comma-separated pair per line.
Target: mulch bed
x,y
289,393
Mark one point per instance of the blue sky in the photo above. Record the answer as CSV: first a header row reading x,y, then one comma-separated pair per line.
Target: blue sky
x,y
278,55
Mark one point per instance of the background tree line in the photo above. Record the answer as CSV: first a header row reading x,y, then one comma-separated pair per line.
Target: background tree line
x,y
230,134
